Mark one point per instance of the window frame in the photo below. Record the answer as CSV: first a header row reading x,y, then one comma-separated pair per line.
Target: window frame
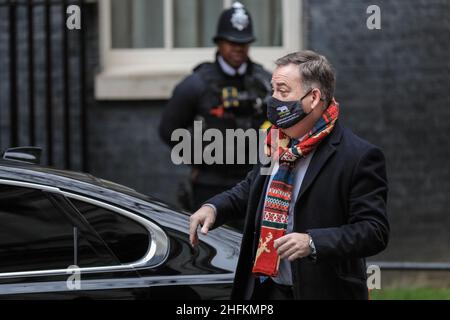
x,y
129,74
159,240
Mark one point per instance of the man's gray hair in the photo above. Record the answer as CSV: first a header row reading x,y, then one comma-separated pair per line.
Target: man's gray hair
x,y
315,71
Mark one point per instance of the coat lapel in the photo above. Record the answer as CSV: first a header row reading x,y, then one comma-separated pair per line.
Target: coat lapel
x,y
324,151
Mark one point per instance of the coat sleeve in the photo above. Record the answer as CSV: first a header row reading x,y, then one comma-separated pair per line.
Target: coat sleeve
x,y
232,204
367,230
181,109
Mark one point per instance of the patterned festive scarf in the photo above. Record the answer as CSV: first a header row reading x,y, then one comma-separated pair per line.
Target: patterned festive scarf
x,y
276,205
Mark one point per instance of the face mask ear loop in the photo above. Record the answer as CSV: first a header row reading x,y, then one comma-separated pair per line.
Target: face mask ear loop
x,y
306,94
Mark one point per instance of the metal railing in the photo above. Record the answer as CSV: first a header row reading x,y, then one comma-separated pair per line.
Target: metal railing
x,y
411,266
51,9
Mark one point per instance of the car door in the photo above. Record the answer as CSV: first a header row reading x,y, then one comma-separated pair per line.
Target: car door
x,y
175,270
48,251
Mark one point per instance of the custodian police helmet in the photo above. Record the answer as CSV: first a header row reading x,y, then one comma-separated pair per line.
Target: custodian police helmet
x,y
235,25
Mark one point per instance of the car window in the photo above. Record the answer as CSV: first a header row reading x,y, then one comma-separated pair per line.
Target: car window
x,y
36,235
128,239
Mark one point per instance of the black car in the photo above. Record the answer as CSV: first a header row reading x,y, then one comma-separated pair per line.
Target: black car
x,y
69,235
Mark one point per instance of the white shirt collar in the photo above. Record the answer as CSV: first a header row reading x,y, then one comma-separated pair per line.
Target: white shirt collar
x,y
229,70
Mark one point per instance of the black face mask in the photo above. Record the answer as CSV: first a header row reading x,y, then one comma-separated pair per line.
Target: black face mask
x,y
285,114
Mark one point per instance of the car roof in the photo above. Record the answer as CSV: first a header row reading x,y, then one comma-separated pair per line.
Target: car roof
x,y
86,185
85,177
63,179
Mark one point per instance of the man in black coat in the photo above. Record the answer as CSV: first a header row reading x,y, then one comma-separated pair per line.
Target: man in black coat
x,y
337,210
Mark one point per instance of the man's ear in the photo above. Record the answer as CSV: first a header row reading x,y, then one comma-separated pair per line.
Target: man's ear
x,y
316,95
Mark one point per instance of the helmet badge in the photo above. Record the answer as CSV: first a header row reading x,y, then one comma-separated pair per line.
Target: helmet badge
x,y
239,19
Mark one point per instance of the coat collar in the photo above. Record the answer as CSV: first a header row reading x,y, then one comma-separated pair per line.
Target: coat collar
x,y
229,70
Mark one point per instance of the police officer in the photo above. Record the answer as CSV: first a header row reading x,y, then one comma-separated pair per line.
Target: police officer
x,y
228,93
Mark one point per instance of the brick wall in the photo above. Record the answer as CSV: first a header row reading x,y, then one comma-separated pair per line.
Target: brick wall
x,y
393,87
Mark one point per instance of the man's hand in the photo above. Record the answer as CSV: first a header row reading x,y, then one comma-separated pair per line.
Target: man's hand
x,y
293,246
205,216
